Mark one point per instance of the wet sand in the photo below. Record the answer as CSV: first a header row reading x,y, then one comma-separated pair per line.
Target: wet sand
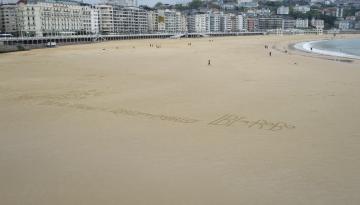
x,y
124,123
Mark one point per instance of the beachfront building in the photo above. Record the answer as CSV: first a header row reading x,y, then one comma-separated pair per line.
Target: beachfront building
x,y
8,22
283,10
346,25
317,23
106,23
175,21
357,25
227,22
215,21
129,20
198,23
239,23
94,20
115,19
301,23
252,24
48,18
166,21
270,23
90,19
153,21
288,24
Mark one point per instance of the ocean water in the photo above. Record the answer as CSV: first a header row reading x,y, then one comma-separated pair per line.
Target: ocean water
x,y
348,48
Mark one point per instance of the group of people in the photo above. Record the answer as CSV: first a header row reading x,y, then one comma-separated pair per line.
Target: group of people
x,y
156,46
267,47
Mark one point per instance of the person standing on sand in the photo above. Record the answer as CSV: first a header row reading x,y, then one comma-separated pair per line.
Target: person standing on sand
x,y
209,63
270,53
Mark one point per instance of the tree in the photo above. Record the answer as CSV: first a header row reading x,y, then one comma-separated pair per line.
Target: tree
x,y
158,5
180,7
195,4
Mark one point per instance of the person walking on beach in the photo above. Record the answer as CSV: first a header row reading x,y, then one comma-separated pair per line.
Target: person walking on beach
x,y
270,53
209,63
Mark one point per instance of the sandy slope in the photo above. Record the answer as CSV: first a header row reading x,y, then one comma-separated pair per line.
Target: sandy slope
x,y
123,123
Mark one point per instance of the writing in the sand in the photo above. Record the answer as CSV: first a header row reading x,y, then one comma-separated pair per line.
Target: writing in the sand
x,y
120,111
62,100
230,119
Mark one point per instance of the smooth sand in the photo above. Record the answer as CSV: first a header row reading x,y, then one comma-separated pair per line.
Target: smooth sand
x,y
111,124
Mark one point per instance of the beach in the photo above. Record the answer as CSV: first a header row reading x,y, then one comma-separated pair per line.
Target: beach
x,y
121,122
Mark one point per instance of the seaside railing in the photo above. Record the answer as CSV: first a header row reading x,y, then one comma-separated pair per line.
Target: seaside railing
x,y
24,43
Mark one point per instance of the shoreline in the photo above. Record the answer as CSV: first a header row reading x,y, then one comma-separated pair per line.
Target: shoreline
x,y
307,47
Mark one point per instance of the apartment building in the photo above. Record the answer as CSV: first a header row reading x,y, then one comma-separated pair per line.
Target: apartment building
x,y
198,23
171,21
239,23
106,19
301,23
8,21
283,10
131,3
47,18
129,20
153,21
228,22
269,23
288,24
252,24
214,22
317,23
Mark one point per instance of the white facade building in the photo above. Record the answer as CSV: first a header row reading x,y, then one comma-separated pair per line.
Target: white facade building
x,y
214,22
106,19
301,23
166,21
317,23
302,8
94,21
346,25
283,10
175,22
198,23
130,3
153,21
239,23
228,22
45,19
